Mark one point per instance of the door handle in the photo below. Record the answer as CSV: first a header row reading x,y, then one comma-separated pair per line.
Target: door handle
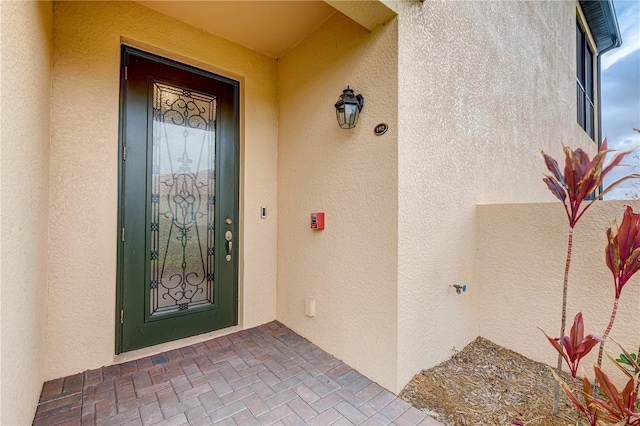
x,y
229,236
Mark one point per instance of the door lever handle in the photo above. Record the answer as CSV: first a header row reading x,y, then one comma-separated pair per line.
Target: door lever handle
x,y
229,236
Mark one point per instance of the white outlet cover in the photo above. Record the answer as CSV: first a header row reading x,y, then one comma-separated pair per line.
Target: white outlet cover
x,y
309,307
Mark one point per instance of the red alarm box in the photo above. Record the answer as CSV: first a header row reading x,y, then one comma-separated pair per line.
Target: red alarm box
x,y
317,221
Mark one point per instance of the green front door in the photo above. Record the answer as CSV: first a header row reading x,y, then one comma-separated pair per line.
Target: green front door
x,y
178,199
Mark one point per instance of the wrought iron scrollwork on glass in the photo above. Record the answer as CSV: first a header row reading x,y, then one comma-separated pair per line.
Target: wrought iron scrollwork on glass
x,y
182,199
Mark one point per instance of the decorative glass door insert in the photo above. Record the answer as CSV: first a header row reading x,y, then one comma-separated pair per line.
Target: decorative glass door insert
x,y
183,199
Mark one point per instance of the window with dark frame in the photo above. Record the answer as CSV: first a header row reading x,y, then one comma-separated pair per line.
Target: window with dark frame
x,y
584,81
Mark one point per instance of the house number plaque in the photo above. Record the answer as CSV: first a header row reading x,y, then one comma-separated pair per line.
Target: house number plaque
x,y
381,129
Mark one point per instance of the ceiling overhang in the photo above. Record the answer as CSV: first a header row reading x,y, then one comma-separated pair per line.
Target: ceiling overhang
x,y
369,13
267,26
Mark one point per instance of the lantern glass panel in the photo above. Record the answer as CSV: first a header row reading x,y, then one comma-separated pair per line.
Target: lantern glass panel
x,y
340,115
350,115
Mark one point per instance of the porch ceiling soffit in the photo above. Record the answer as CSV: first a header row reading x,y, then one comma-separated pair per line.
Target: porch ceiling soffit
x,y
266,26
369,13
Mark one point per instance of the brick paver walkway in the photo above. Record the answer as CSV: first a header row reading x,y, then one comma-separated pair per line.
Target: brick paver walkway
x,y
262,376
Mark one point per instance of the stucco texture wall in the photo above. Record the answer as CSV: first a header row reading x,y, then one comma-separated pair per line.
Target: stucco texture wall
x,y
26,34
483,87
84,171
522,251
349,269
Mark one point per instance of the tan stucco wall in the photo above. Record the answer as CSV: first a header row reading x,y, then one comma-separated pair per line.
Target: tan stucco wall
x,y
84,171
26,33
0,220
351,176
471,91
522,251
484,86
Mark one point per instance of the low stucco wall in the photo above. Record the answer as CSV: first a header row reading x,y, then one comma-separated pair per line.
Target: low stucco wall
x,y
26,33
484,86
84,172
350,268
521,261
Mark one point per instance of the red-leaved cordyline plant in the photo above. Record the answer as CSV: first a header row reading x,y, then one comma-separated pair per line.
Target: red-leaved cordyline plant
x,y
623,259
582,177
575,346
588,409
619,409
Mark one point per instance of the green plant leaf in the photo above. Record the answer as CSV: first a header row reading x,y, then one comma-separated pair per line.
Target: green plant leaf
x,y
618,362
623,360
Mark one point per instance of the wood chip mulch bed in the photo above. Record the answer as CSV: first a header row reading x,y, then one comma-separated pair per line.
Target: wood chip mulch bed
x,y
486,384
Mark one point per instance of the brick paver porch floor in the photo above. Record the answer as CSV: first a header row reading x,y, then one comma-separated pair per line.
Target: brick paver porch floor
x,y
261,376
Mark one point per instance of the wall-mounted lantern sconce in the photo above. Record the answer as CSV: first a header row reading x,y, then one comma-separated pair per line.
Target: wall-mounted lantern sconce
x,y
348,108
